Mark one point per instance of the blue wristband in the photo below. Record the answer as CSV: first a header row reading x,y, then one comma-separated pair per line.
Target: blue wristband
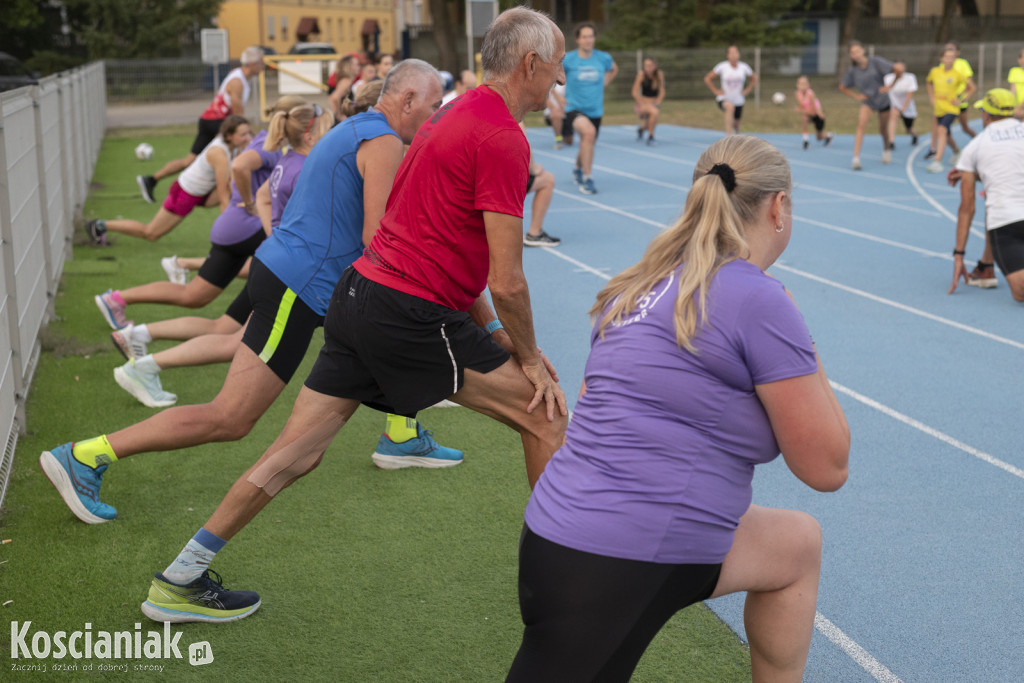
x,y
493,326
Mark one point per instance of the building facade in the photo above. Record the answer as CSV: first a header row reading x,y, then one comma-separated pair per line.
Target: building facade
x,y
348,25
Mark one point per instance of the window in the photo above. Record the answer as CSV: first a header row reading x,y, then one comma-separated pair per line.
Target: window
x,y
284,28
330,37
270,28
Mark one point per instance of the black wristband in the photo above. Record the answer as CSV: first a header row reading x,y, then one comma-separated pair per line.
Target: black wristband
x,y
959,252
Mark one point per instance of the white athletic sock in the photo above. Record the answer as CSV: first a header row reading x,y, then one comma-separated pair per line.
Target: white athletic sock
x,y
147,365
806,137
194,558
141,333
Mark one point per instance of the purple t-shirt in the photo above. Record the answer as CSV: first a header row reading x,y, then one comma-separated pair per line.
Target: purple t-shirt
x,y
235,224
282,182
660,452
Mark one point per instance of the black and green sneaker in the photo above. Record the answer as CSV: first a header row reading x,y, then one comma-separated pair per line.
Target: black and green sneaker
x,y
205,599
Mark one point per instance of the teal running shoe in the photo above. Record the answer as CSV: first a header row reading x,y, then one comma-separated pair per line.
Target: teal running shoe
x,y
77,484
577,175
205,599
421,451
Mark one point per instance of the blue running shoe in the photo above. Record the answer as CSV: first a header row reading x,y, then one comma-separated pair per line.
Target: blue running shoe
x,y
577,175
588,187
77,484
205,599
421,451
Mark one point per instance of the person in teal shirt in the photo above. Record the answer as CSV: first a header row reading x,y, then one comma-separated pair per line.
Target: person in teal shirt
x,y
587,73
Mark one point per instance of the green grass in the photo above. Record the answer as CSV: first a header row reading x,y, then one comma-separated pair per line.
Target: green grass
x,y
366,575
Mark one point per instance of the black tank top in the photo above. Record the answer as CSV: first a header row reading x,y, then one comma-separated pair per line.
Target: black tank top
x,y
649,87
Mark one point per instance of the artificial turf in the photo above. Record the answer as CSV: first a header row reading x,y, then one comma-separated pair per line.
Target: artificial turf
x,y
365,575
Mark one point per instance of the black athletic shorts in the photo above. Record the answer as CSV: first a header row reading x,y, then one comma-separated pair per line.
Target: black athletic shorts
x,y
206,131
529,182
590,617
819,123
281,325
737,112
908,122
396,352
1008,247
241,308
570,116
225,261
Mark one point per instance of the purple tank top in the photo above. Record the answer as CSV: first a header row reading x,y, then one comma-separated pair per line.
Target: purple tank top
x,y
282,182
235,224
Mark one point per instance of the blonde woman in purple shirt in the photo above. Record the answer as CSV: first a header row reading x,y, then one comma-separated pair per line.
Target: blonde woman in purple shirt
x,y
701,367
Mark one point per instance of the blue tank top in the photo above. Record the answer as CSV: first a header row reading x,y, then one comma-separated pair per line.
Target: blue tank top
x,y
321,231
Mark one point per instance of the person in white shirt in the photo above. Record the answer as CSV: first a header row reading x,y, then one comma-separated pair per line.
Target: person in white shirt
x,y
901,87
732,75
554,116
996,158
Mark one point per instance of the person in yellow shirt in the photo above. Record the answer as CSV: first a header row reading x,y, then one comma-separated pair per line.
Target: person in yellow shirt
x,y
964,67
1016,79
945,94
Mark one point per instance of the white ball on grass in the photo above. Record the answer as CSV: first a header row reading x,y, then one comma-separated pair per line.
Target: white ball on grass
x,y
144,151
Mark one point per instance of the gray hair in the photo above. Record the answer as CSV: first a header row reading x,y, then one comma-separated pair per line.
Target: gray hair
x,y
515,32
406,71
252,55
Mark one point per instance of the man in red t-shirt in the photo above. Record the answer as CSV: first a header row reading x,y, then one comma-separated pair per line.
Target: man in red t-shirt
x,y
408,324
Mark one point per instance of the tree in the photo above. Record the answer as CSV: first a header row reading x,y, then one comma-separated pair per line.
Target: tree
x,y
443,15
691,23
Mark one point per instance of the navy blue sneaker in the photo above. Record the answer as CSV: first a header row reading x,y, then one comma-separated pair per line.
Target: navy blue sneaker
x,y
577,176
205,599
421,451
77,484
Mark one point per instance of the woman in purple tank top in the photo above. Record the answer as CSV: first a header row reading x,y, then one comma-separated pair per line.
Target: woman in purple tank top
x,y
700,368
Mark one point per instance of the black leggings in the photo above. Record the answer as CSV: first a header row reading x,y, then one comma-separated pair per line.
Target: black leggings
x,y
590,617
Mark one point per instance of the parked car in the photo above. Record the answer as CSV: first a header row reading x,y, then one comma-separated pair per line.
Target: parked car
x,y
13,73
312,49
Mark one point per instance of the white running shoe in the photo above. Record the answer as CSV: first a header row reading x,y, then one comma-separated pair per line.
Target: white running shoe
x,y
130,348
175,273
856,164
934,167
143,386
886,157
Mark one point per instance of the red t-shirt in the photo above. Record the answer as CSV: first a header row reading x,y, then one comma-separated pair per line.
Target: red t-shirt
x,y
468,158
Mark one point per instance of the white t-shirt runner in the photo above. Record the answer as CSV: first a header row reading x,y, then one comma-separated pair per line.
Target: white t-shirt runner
x,y
996,157
898,95
733,79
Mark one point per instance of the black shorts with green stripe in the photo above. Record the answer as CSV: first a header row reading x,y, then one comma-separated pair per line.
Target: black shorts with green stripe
x,y
281,325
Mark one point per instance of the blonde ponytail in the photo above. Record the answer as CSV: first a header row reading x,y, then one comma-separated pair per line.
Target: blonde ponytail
x,y
709,234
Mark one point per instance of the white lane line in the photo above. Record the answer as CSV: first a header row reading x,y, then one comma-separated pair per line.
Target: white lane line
x,y
614,171
869,200
928,198
612,209
934,433
858,654
579,264
902,307
881,240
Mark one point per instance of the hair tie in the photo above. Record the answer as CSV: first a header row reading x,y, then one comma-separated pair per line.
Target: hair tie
x,y
725,172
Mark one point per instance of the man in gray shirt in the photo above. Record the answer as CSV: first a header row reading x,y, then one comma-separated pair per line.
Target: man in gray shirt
x,y
866,74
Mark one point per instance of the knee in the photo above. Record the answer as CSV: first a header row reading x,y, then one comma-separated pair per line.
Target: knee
x,y
194,299
228,423
806,536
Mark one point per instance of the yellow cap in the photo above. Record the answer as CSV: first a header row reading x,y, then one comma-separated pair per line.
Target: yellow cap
x,y
997,102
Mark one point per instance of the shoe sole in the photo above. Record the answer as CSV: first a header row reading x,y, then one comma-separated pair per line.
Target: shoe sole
x,y
984,284
138,391
140,181
58,476
401,462
108,315
157,613
445,403
541,244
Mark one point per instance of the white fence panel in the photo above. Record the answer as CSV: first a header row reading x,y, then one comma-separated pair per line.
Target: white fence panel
x,y
50,137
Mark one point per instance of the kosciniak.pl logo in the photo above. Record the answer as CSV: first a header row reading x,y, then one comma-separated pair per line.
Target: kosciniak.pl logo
x,y
34,646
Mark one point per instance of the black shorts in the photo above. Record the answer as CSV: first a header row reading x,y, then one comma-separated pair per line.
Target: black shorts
x,y
570,116
590,617
1008,247
225,261
529,182
206,131
241,308
908,122
819,123
396,352
946,120
737,112
281,325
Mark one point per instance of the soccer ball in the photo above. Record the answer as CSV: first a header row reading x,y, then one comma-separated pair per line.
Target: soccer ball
x,y
778,98
144,152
